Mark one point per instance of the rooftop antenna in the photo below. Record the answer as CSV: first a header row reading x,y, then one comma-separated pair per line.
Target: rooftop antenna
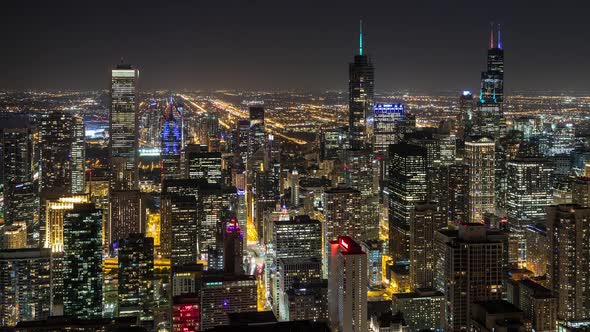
x,y
492,35
361,37
499,37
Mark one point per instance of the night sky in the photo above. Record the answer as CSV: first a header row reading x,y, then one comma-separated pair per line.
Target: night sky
x,y
426,46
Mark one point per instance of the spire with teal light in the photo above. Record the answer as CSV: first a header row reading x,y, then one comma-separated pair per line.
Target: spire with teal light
x,y
361,37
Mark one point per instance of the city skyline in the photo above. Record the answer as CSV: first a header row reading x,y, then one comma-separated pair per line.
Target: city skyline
x,y
260,45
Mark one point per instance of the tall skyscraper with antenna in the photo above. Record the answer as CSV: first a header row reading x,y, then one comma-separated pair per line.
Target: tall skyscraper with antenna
x,y
360,97
489,115
492,80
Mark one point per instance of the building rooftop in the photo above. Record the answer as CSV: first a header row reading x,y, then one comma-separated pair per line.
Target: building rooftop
x,y
498,306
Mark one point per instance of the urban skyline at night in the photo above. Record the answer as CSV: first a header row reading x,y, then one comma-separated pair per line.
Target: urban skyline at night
x,y
226,171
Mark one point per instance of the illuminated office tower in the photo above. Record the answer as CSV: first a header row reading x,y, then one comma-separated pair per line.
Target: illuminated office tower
x,y
528,195
361,93
256,134
539,304
472,272
127,215
201,164
172,142
136,275
580,188
55,211
406,186
123,127
233,247
347,285
342,207
374,250
14,236
183,229
213,200
186,279
177,190
16,167
82,277
480,158
24,285
492,80
387,117
223,294
300,237
489,117
293,271
425,220
464,126
186,313
23,207
242,139
360,171
78,155
153,229
458,192
55,144
332,142
568,268
307,302
536,246
422,309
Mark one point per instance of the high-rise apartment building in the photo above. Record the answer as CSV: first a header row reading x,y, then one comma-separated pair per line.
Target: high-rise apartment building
x,y
425,220
82,262
24,285
342,207
136,276
568,268
472,271
347,285
480,158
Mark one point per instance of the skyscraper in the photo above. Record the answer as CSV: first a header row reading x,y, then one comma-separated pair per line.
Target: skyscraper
x,y
233,247
341,217
201,164
406,186
257,132
528,194
55,142
136,274
83,262
568,268
123,127
360,97
347,286
78,155
480,158
172,141
183,229
300,237
387,117
425,220
223,294
293,271
489,115
127,215
16,167
472,271
24,285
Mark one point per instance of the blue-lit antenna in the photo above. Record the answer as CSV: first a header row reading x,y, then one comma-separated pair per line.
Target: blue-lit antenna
x,y
499,38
